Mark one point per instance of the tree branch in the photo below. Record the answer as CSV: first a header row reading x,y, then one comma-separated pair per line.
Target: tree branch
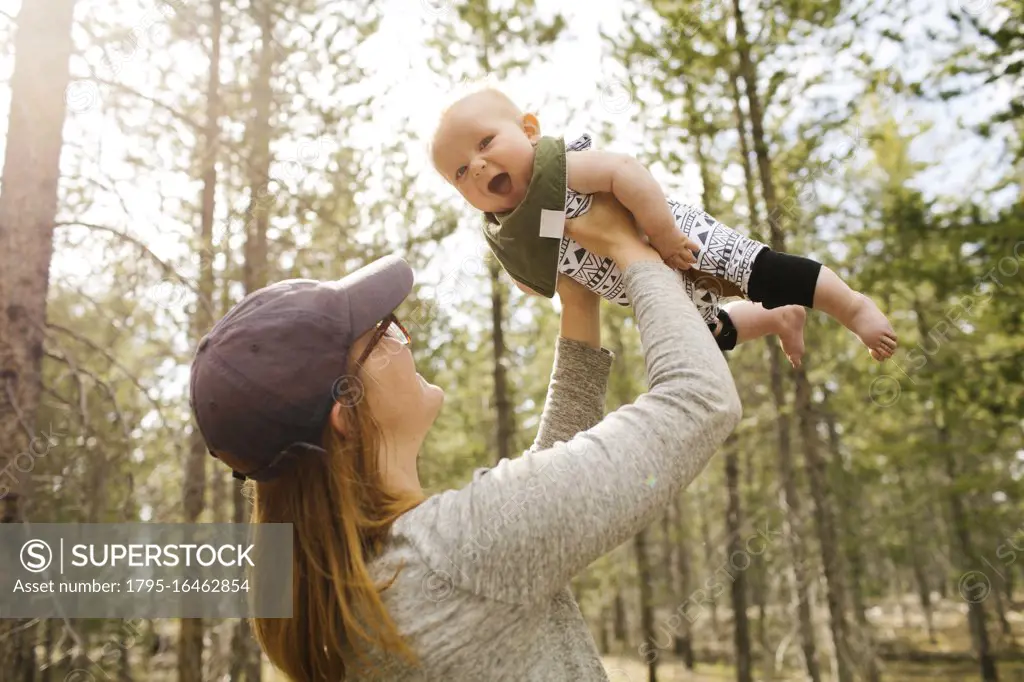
x,y
167,269
65,358
146,98
114,361
13,399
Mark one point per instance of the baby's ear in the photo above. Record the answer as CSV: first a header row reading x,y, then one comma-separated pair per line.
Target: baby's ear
x,y
531,126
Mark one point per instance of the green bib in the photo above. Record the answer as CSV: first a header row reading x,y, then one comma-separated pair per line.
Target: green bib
x,y
515,237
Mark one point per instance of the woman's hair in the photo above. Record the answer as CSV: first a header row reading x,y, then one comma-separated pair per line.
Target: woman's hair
x,y
340,515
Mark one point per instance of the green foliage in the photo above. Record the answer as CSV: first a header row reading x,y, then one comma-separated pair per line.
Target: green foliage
x,y
949,270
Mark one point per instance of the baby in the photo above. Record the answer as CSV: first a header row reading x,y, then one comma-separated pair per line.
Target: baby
x,y
527,186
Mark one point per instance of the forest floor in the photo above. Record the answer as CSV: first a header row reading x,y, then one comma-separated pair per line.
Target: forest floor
x,y
898,627
633,670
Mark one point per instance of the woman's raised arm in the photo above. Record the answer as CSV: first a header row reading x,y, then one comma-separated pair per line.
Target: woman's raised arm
x,y
521,532
579,377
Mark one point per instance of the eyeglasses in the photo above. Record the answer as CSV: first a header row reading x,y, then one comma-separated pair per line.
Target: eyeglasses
x,y
389,327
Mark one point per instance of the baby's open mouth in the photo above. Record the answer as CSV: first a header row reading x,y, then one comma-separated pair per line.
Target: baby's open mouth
x,y
500,184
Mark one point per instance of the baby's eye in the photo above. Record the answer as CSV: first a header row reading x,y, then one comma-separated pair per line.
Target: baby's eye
x,y
459,173
486,141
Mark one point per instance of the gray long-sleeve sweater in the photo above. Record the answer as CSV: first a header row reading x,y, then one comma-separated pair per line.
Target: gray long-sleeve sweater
x,y
483,594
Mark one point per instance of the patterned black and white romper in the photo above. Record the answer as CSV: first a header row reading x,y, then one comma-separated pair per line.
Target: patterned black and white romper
x,y
723,252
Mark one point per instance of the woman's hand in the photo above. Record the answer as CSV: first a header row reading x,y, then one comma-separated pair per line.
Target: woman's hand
x,y
611,234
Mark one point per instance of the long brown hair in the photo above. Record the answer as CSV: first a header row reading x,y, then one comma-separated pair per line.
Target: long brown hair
x,y
341,515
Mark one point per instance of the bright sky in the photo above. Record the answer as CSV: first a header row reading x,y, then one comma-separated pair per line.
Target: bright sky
x,y
575,71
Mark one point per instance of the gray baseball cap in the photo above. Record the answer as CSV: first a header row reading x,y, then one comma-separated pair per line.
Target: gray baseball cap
x,y
264,379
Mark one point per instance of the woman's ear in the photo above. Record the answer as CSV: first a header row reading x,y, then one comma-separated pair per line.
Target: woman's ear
x,y
339,418
530,126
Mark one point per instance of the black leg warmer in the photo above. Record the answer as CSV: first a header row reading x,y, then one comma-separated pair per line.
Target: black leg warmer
x,y
778,279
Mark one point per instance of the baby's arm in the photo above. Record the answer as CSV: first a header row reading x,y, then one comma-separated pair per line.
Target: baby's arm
x,y
633,185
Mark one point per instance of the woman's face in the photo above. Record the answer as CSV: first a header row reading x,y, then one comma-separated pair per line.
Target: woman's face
x,y
401,401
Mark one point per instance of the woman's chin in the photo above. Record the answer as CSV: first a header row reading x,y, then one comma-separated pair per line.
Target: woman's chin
x,y
432,391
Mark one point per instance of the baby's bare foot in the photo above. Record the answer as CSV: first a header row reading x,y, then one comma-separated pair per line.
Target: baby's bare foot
x,y
872,328
791,319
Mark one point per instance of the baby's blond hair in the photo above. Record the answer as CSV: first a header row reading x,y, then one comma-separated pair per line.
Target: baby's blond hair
x,y
470,90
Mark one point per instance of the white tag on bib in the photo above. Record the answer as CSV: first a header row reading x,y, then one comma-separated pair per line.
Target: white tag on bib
x,y
552,223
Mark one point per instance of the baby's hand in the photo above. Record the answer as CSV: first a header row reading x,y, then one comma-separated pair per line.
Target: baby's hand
x,y
677,250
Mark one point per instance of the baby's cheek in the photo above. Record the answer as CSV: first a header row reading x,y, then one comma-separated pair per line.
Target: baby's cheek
x,y
526,290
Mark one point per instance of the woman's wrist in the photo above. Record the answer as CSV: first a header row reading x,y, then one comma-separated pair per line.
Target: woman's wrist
x,y
635,252
582,323
581,314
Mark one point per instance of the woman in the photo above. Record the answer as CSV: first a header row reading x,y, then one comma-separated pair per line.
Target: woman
x,y
469,584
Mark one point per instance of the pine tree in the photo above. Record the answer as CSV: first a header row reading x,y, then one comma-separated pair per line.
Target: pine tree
x,y
28,212
499,45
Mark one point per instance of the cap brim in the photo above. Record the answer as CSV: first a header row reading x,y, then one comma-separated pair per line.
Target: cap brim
x,y
375,290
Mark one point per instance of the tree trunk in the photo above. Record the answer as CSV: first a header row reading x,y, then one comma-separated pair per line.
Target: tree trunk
x,y
709,558
962,533
748,171
733,516
220,483
45,675
790,500
190,652
791,504
245,664
734,522
758,576
861,634
913,540
502,404
242,638
254,269
679,560
28,211
221,488
620,626
760,592
245,655
974,591
604,640
124,667
897,581
997,592
683,646
944,589
826,526
25,657
643,569
699,128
